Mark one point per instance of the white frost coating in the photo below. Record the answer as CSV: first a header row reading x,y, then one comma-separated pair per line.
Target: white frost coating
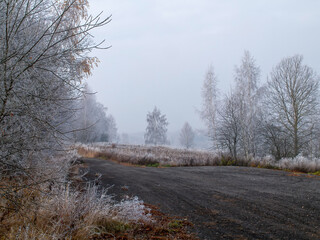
x,y
132,210
300,162
178,157
156,131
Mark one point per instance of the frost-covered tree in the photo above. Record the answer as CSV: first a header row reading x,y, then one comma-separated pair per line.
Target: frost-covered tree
x,y
187,136
293,90
156,131
124,138
92,122
208,111
247,93
240,114
43,58
112,130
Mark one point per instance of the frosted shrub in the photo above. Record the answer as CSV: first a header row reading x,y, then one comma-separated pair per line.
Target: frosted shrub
x,y
132,210
56,167
300,163
70,214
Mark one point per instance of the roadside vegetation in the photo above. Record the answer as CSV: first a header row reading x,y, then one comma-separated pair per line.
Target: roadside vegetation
x,y
45,105
51,208
62,206
161,156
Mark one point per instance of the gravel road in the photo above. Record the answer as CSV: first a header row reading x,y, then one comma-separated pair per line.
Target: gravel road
x,y
223,202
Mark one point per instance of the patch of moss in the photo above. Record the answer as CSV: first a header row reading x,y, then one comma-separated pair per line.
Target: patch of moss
x,y
175,225
166,165
153,165
316,173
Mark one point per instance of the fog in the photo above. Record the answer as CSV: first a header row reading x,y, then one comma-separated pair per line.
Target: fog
x,y
162,49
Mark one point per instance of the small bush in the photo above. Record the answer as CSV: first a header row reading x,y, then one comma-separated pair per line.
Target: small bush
x,y
227,161
299,164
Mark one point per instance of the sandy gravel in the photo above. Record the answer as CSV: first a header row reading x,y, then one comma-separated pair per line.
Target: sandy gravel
x,y
223,202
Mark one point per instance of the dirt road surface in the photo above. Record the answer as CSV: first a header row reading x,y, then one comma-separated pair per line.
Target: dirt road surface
x,y
223,202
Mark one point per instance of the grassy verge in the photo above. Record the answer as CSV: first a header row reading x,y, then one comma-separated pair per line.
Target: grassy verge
x,y
162,227
151,156
61,206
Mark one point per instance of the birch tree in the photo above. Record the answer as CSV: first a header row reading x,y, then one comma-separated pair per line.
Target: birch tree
x,y
247,91
208,112
293,90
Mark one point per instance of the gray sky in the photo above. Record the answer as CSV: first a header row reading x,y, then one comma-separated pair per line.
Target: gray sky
x,y
161,50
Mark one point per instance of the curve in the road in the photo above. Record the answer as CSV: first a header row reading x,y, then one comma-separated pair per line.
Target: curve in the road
x,y
224,202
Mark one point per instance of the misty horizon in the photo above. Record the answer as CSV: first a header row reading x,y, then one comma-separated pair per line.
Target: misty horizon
x,y
160,52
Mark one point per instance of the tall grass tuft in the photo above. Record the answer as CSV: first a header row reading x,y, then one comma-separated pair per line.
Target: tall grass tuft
x,y
54,210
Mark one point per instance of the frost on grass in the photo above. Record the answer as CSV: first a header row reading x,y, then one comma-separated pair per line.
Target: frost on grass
x,y
165,156
144,155
132,210
300,163
56,210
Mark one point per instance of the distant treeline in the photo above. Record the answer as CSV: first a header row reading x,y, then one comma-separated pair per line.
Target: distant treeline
x,y
280,117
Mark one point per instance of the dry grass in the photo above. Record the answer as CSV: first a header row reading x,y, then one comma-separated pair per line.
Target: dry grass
x,y
91,215
55,209
67,214
300,164
159,156
52,209
149,155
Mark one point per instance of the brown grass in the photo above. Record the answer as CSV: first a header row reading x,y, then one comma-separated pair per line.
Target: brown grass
x,y
147,156
68,217
59,210
159,156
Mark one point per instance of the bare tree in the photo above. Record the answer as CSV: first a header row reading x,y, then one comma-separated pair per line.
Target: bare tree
x,y
156,131
208,112
187,136
275,139
293,98
229,125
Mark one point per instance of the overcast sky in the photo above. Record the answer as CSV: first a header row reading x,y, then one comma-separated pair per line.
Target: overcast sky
x,y
161,50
